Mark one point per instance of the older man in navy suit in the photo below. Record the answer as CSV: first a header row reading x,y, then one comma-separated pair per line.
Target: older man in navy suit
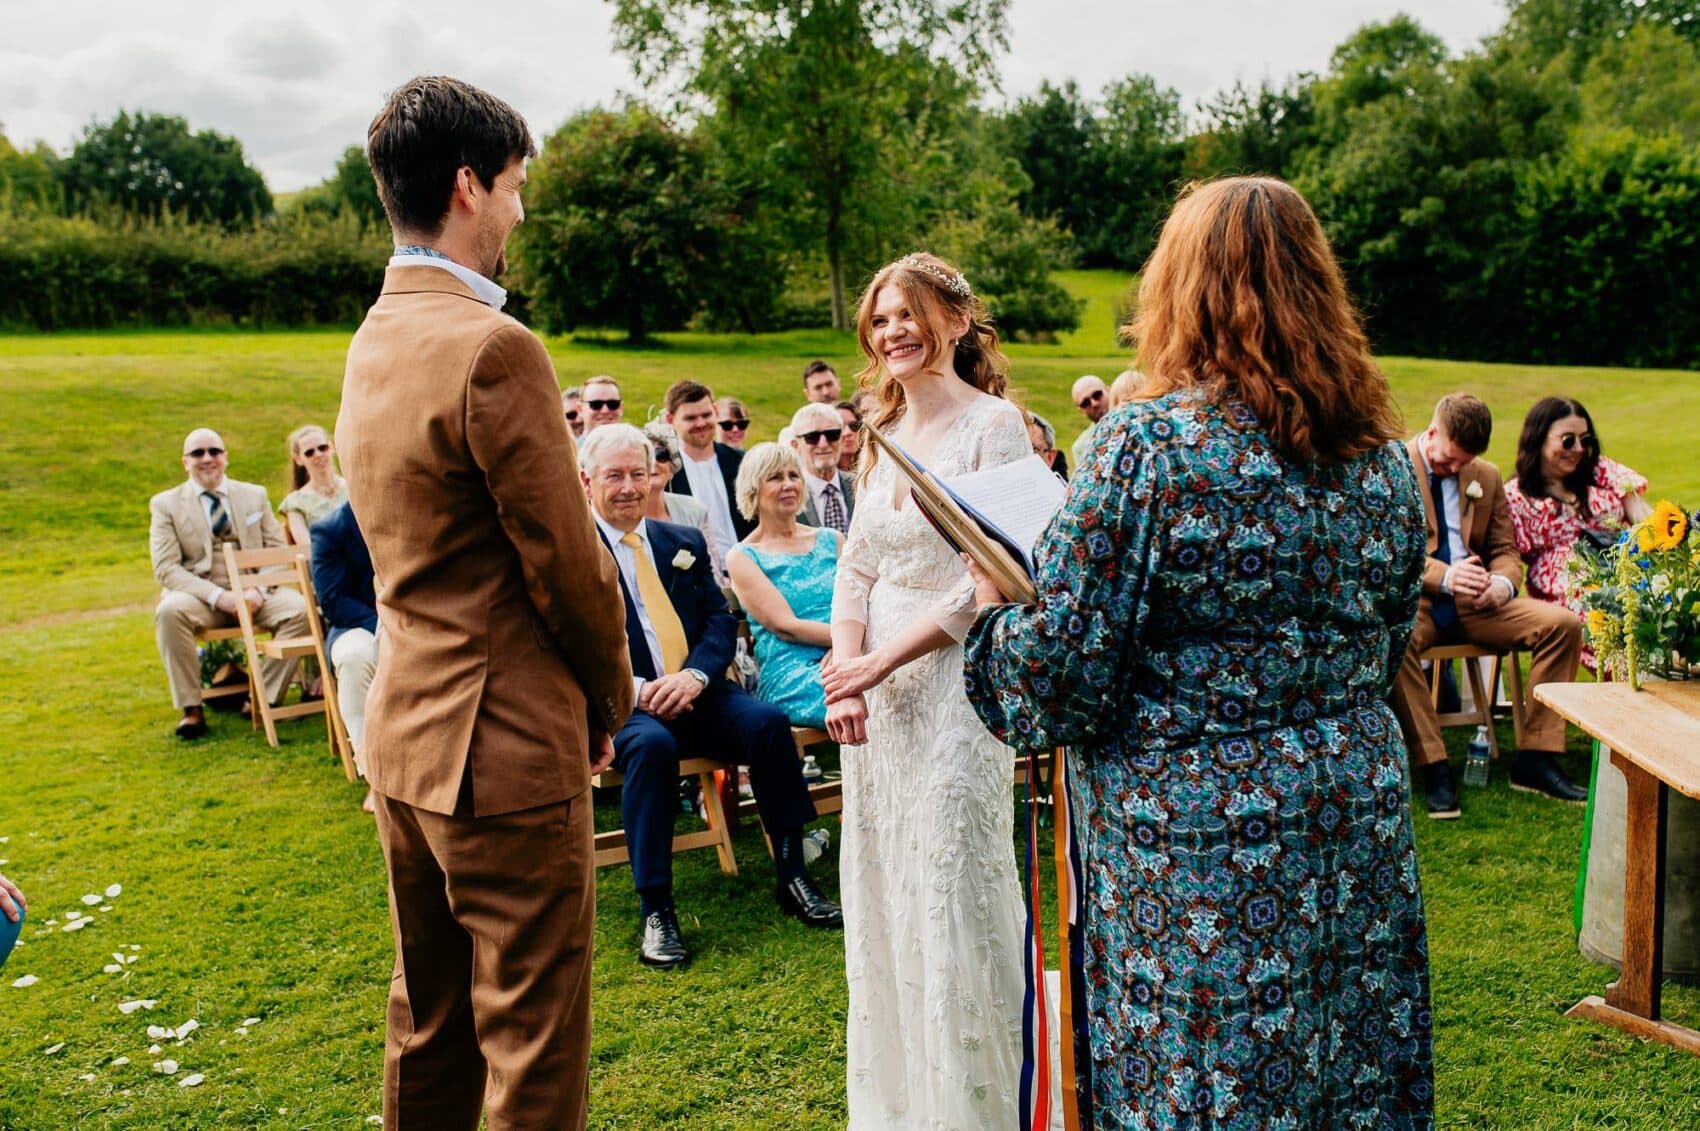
x,y
682,636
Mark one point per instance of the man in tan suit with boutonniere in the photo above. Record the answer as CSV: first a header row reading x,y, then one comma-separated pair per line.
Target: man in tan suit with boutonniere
x,y
1470,585
187,529
504,669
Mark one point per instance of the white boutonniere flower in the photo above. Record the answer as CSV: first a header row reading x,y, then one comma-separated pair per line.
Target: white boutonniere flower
x,y
684,559
1473,491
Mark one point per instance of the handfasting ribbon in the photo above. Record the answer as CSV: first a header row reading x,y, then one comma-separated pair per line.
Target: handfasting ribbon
x,y
1071,920
1035,1016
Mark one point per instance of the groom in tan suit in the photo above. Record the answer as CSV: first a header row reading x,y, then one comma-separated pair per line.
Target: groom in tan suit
x,y
504,669
1470,584
187,529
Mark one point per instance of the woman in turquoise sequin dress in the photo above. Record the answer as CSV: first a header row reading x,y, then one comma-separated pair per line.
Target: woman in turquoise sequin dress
x,y
1223,601
783,575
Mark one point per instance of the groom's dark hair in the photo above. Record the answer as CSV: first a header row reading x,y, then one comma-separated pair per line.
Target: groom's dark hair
x,y
427,130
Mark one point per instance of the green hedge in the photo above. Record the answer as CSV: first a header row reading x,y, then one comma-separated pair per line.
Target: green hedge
x,y
61,273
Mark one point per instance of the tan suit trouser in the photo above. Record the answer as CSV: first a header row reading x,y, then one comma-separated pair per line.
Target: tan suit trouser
x,y
490,1000
1551,635
180,615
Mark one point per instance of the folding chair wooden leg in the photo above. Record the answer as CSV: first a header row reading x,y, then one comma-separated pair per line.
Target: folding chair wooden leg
x,y
716,814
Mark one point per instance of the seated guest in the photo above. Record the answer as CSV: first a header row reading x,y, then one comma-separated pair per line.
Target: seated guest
x,y
820,383
1564,491
682,636
572,407
665,506
602,403
817,435
1470,596
709,471
1044,438
1093,401
1125,388
342,578
782,575
188,528
317,486
851,416
734,420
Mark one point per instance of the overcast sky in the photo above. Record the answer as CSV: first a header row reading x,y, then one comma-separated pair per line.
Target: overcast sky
x,y
297,82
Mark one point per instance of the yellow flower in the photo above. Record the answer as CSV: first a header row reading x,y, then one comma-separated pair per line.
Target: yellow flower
x,y
1597,621
1668,526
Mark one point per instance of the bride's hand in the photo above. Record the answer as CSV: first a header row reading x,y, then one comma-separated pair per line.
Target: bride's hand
x,y
852,675
986,591
847,721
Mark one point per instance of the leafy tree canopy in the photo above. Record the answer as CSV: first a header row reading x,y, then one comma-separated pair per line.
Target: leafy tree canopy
x,y
151,164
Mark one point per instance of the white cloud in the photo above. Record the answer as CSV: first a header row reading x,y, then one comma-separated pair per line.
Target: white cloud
x,y
297,89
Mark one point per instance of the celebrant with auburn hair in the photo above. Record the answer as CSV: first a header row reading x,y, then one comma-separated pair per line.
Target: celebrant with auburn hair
x,y
1222,603
932,909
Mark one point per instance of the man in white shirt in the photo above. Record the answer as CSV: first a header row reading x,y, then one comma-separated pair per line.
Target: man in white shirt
x,y
710,469
188,527
816,435
681,637
1093,400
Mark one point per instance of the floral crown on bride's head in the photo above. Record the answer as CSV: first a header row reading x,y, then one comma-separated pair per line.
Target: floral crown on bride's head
x,y
953,280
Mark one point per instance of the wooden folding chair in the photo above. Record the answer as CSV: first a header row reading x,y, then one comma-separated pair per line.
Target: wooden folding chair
x,y
295,531
611,846
341,747
209,636
271,568
1482,691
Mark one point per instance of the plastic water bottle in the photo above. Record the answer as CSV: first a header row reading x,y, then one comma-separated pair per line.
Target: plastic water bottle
x,y
811,771
1476,759
815,844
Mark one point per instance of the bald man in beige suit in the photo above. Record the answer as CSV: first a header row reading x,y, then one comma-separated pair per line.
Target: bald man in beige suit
x,y
187,529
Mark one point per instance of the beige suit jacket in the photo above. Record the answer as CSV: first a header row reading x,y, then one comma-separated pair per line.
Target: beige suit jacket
x,y
1486,523
504,630
181,542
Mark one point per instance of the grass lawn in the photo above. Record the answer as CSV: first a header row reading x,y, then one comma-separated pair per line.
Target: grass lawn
x,y
253,886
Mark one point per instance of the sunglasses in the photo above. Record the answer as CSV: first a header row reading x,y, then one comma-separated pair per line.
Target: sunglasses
x,y
831,435
201,453
1570,439
1091,398
309,453
854,426
572,414
602,406
734,425
662,455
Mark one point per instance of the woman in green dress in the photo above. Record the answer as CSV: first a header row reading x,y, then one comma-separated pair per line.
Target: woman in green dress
x,y
317,487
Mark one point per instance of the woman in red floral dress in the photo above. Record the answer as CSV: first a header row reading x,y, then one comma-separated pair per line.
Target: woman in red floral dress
x,y
1565,490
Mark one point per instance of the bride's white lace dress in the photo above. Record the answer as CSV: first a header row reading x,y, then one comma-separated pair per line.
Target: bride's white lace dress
x,y
932,903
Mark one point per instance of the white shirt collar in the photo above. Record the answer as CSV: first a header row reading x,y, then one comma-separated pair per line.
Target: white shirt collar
x,y
614,533
487,292
218,489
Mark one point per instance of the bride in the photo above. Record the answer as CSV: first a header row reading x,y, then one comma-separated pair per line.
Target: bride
x,y
932,907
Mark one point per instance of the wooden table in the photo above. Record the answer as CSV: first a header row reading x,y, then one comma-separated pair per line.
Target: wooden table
x,y
1654,736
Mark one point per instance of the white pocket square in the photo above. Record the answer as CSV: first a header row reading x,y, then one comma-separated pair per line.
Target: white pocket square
x,y
252,519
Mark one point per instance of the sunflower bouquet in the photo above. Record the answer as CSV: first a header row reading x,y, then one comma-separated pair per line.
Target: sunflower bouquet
x,y
1641,596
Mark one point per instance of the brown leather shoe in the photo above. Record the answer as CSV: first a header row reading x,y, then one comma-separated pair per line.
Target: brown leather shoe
x,y
193,724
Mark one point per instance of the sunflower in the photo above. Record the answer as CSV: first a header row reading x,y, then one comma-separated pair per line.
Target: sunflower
x,y
1669,525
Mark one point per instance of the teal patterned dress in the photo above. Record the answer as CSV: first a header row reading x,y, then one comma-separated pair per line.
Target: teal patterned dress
x,y
1216,635
790,673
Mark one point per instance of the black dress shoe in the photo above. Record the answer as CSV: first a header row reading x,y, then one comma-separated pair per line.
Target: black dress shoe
x,y
662,946
1440,792
1536,771
191,726
803,899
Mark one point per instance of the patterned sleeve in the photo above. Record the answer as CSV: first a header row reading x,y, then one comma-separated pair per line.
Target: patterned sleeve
x,y
1408,530
858,569
1005,440
1046,675
1525,523
1621,481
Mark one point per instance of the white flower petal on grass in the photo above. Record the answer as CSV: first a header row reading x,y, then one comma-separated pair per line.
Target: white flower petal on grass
x,y
87,1077
4,862
76,925
187,1027
90,899
111,968
106,907
129,1007
116,957
158,1032
128,958
251,1021
167,1067
190,1080
153,1050
113,891
120,1062
51,923
51,1049
25,982
375,1120
133,946
241,1031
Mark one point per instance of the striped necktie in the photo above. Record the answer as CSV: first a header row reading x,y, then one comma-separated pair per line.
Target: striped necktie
x,y
218,518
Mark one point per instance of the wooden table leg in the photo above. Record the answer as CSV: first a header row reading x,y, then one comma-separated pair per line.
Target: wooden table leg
x,y
1632,1002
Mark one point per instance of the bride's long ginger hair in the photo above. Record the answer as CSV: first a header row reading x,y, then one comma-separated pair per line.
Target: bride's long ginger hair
x,y
1242,298
925,281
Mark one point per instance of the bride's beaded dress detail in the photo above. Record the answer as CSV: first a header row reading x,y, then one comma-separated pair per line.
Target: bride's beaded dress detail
x,y
932,904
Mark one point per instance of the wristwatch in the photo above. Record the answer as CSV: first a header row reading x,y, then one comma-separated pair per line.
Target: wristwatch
x,y
701,678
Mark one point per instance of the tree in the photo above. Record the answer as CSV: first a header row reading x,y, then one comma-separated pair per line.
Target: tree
x,y
26,176
626,226
1008,259
826,99
150,164
1647,81
1268,130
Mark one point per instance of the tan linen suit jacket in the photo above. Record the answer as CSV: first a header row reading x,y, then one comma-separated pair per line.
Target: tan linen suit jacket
x,y
181,543
1485,522
504,631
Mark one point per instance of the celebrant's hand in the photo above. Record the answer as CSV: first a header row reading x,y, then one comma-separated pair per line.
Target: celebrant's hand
x,y
601,753
847,721
986,591
852,675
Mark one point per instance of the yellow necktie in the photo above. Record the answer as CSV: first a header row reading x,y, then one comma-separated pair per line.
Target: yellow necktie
x,y
663,618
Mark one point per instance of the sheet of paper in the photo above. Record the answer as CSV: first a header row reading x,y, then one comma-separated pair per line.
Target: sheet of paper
x,y
1019,497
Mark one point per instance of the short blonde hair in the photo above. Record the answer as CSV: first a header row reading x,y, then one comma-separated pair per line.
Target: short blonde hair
x,y
760,462
1125,387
